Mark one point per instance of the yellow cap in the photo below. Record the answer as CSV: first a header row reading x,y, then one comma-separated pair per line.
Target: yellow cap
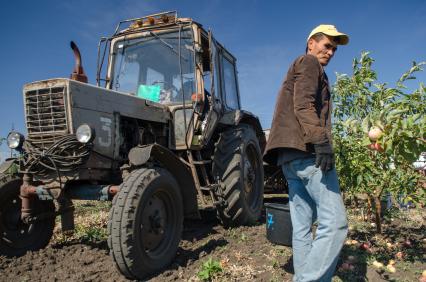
x,y
330,30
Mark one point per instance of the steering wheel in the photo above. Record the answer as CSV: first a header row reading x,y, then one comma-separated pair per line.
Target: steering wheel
x,y
169,92
166,85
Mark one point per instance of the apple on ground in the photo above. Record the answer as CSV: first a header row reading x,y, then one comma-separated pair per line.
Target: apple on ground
x,y
351,259
408,243
391,268
365,246
346,266
377,264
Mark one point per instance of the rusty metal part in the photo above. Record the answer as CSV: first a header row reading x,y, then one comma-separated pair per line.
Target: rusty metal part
x,y
81,192
91,192
27,194
78,73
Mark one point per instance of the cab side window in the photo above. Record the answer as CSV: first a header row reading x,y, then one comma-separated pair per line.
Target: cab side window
x,y
230,84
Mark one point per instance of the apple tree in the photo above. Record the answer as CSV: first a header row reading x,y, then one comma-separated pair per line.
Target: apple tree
x,y
379,131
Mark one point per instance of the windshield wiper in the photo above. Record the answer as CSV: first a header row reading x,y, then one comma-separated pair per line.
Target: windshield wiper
x,y
167,44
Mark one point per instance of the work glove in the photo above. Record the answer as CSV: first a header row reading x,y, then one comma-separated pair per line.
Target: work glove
x,y
324,156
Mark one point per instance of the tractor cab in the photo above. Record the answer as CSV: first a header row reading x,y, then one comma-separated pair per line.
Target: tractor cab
x,y
153,66
175,62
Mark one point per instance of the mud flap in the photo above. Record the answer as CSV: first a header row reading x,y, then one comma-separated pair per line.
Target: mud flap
x,y
8,166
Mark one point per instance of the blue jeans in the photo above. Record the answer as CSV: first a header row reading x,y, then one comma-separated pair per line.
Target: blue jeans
x,y
315,195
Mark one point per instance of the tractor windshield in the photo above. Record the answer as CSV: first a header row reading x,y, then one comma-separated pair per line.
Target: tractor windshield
x,y
149,67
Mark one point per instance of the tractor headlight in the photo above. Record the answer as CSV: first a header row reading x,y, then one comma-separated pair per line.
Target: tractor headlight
x,y
85,133
15,140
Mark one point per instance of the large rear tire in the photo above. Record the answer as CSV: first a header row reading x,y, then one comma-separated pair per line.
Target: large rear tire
x,y
237,162
146,223
17,237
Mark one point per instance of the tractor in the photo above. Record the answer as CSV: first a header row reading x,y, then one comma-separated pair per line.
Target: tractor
x,y
162,135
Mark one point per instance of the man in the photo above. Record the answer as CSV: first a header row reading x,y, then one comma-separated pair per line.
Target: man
x,y
300,142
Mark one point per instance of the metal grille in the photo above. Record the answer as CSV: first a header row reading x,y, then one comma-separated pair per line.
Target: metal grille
x,y
46,117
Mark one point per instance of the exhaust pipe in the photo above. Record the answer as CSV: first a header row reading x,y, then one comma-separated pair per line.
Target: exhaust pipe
x,y
78,73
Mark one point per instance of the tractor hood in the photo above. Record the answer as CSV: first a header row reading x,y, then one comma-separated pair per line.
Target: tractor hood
x,y
57,107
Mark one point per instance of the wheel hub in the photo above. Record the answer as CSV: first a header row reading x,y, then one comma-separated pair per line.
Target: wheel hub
x,y
156,223
249,177
153,223
251,182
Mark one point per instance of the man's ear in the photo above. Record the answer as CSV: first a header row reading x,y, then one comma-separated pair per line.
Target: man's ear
x,y
310,45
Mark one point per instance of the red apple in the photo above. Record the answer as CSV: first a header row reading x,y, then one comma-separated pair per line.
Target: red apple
x,y
399,255
365,246
378,147
371,146
346,266
375,147
407,243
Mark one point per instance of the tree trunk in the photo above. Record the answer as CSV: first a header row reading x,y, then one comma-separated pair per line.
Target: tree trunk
x,y
378,217
368,209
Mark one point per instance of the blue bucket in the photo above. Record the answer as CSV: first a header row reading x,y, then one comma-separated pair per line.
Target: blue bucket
x,y
278,224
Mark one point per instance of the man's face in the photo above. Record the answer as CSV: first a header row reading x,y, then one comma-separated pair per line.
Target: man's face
x,y
323,49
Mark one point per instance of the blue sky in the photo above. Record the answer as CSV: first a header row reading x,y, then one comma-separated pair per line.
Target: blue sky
x,y
265,36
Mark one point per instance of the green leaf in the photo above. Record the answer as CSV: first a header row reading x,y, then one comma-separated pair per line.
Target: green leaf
x,y
359,179
379,124
396,113
365,125
365,141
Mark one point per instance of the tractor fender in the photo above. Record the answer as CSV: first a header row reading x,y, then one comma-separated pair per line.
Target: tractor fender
x,y
140,155
7,166
236,117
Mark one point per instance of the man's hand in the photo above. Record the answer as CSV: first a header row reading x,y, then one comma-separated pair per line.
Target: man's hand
x,y
324,156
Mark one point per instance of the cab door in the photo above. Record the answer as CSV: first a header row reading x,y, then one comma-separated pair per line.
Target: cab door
x,y
230,93
216,110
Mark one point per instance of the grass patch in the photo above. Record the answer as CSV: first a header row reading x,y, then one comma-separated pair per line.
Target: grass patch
x,y
91,220
209,269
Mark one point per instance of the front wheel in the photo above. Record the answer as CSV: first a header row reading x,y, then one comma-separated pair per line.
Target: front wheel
x,y
146,222
18,237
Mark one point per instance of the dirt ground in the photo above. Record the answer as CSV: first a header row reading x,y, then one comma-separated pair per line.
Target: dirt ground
x,y
240,254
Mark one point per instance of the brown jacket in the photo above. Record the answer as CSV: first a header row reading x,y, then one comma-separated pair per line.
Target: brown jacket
x,y
302,114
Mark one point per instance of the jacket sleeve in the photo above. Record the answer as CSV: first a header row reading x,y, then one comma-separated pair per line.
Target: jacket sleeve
x,y
307,82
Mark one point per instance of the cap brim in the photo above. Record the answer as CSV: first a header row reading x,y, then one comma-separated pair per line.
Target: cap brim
x,y
341,38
